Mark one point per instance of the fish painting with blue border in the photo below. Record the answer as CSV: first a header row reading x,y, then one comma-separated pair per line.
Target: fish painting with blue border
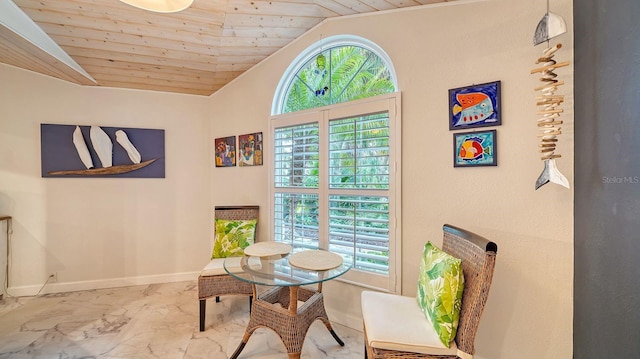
x,y
475,106
474,149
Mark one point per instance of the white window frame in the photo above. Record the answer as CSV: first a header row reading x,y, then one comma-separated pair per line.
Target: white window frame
x,y
383,103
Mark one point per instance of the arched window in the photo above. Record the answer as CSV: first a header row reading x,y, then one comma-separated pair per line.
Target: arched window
x,y
335,161
334,70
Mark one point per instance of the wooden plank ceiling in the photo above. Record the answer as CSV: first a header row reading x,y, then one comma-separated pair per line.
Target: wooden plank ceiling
x,y
195,51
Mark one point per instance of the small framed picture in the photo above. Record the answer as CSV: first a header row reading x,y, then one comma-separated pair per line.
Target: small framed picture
x,y
475,149
250,149
225,151
475,106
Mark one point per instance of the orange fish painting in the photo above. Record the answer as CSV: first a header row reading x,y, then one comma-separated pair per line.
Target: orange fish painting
x,y
468,100
475,106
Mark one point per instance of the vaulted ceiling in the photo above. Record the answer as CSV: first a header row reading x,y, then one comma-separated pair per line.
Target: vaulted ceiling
x,y
195,51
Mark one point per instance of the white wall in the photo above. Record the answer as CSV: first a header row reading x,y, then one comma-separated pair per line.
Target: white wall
x,y
529,312
239,185
101,232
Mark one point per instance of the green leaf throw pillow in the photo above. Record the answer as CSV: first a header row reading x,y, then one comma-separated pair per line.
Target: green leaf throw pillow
x,y
232,237
440,288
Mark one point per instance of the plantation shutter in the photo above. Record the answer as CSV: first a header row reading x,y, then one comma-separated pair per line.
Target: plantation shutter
x,y
296,166
335,185
359,162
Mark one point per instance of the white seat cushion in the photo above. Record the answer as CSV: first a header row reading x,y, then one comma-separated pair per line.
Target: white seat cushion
x,y
395,322
216,266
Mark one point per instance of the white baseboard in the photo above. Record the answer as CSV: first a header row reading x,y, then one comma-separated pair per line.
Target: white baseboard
x,y
61,287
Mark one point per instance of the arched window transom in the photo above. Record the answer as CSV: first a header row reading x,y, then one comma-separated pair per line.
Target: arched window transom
x,y
335,70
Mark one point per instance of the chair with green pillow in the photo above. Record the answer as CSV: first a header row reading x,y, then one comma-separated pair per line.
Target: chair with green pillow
x,y
235,229
442,320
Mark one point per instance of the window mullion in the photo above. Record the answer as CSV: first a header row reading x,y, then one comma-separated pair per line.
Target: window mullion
x,y
323,180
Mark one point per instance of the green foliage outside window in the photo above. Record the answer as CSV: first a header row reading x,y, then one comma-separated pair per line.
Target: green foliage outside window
x,y
338,75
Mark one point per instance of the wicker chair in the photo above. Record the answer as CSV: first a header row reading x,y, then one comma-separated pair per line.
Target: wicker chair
x,y
214,281
394,325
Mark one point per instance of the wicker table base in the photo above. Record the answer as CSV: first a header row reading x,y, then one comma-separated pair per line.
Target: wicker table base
x,y
278,310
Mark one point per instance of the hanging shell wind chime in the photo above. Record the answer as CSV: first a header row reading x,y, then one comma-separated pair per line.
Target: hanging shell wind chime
x,y
548,102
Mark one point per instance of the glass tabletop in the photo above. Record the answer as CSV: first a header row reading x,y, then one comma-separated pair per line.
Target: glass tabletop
x,y
276,270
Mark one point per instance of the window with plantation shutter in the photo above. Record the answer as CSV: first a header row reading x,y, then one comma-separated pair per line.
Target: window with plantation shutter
x,y
359,162
335,180
336,186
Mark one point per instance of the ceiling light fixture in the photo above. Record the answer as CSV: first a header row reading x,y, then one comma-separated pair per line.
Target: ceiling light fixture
x,y
164,6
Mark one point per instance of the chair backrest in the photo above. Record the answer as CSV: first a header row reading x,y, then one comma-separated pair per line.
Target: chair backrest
x,y
478,261
237,212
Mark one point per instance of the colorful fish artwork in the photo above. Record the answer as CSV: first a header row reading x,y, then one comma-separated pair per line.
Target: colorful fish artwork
x,y
475,149
472,149
475,106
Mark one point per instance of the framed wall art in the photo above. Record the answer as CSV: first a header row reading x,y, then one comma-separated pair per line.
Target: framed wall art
x,y
250,149
225,151
475,106
100,151
475,149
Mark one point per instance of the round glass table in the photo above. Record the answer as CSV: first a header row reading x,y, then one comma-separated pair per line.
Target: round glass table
x,y
287,276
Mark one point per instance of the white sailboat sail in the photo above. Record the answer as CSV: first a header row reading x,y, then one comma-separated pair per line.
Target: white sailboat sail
x,y
102,145
123,140
81,147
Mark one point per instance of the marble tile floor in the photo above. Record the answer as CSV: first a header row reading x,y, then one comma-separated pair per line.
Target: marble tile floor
x,y
148,321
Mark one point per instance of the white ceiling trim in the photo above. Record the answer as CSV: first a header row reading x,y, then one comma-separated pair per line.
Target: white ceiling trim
x,y
15,20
